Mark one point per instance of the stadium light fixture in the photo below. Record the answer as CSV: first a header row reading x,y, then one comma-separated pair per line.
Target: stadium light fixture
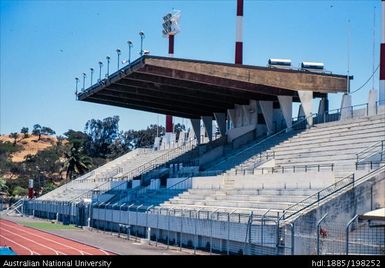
x,y
108,65
141,33
84,81
92,75
171,23
76,87
130,45
100,70
118,52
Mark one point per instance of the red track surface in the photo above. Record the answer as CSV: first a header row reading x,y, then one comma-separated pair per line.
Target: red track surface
x,y
28,241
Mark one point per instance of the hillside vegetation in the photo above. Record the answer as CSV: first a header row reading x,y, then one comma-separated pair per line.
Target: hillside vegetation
x,y
54,160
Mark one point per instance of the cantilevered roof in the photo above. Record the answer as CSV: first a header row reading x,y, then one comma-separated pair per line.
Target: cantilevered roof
x,y
191,88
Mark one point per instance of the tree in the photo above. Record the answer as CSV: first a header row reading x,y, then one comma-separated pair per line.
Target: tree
x,y
178,128
76,162
37,131
14,136
24,131
102,133
77,138
47,131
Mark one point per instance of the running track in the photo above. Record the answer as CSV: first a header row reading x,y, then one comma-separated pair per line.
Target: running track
x,y
29,241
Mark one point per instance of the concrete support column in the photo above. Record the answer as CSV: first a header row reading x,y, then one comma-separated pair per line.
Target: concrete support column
x,y
346,107
157,143
196,125
221,122
372,102
253,111
181,138
267,111
208,123
238,115
286,104
322,107
306,98
246,115
231,113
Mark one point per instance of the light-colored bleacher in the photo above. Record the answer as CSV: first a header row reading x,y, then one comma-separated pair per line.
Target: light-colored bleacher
x,y
335,143
123,168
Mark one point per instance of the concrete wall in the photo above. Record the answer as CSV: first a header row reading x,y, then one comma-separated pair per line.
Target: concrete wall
x,y
234,133
207,182
211,155
243,139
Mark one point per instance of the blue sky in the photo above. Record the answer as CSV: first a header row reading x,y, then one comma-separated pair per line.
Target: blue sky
x,y
46,44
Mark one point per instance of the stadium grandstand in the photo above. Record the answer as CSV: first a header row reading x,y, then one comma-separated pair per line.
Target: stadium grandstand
x,y
260,187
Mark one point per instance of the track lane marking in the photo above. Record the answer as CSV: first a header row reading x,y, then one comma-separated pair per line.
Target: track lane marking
x,y
21,227
56,251
20,245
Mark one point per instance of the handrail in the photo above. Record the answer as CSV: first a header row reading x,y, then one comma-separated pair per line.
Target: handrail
x,y
380,143
267,138
339,110
318,197
154,161
133,170
284,168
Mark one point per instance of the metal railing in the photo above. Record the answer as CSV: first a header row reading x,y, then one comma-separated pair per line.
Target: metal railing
x,y
159,161
266,154
374,149
284,169
328,192
153,164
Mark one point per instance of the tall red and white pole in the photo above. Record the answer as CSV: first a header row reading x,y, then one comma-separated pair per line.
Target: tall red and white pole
x,y
30,189
238,33
382,56
169,125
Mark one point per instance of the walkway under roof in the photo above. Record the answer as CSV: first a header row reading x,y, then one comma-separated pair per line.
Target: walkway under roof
x,y
191,88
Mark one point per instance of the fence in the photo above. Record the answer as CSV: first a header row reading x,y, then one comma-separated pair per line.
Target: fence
x,y
334,237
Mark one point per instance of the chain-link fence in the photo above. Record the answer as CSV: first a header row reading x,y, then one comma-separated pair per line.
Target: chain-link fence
x,y
225,232
326,236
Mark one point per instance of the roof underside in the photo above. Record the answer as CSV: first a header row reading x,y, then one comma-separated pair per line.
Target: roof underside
x,y
190,89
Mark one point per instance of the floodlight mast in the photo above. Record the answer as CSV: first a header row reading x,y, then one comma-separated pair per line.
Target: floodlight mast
x,y
92,74
118,52
130,45
141,33
170,29
76,88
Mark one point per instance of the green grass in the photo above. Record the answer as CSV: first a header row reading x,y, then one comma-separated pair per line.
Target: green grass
x,y
49,226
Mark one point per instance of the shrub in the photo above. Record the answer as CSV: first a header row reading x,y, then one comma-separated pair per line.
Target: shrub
x,y
19,191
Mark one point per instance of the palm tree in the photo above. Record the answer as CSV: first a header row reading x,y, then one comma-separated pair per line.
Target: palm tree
x,y
76,162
